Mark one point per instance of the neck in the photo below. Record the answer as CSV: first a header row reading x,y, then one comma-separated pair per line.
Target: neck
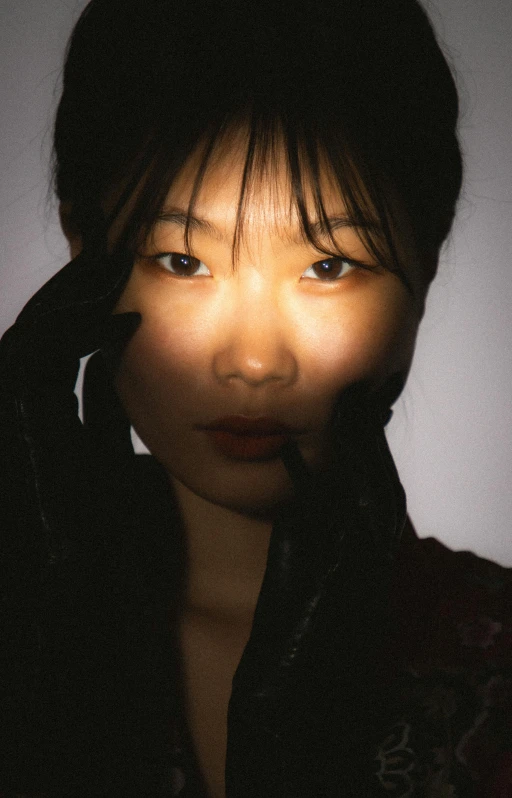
x,y
226,558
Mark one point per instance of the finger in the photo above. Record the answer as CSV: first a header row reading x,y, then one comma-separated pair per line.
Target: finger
x,y
89,283
110,333
57,338
105,421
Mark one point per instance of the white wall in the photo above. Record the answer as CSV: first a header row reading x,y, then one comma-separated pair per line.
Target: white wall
x,y
452,431
452,434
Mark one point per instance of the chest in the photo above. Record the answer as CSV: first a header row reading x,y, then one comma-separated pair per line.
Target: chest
x,y
210,654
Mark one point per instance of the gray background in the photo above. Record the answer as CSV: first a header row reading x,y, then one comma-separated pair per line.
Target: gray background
x,y
452,430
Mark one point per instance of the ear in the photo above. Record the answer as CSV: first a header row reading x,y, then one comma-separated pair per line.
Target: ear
x,y
72,234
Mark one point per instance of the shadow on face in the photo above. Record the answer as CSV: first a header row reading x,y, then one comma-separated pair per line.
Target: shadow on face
x,y
274,326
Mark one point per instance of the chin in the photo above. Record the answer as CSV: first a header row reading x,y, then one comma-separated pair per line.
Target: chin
x,y
254,489
249,488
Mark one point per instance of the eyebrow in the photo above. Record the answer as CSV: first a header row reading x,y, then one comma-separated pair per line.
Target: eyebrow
x,y
180,218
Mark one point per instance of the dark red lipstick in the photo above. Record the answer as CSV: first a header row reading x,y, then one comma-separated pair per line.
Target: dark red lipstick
x,y
244,438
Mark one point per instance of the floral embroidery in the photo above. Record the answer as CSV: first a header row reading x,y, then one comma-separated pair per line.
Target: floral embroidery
x,y
453,738
397,761
448,729
479,632
444,791
480,745
441,701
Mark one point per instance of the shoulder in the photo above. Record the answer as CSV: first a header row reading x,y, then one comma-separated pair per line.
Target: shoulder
x,y
451,651
451,608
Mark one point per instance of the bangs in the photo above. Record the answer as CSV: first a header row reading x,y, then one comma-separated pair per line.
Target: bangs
x,y
311,158
357,89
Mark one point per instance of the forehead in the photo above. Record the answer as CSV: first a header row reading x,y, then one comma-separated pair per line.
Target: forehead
x,y
249,195
258,187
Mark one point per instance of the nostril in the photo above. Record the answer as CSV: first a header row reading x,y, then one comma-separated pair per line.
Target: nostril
x,y
272,364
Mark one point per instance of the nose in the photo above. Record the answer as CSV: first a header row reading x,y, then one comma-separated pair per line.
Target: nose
x,y
256,346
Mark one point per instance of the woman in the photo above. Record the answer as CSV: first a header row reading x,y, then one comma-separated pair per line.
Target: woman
x,y
255,201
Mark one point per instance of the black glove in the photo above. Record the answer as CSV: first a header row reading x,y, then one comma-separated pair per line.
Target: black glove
x,y
306,701
43,449
53,495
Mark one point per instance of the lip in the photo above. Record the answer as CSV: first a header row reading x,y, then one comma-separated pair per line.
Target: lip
x,y
247,447
248,439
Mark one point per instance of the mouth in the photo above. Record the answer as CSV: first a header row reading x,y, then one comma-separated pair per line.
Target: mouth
x,y
244,438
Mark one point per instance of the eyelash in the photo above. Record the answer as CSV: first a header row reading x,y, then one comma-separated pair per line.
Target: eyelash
x,y
183,257
328,260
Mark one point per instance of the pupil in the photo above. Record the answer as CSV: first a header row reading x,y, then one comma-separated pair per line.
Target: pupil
x,y
328,268
184,263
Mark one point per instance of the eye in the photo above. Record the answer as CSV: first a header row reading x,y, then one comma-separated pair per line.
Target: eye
x,y
330,269
182,265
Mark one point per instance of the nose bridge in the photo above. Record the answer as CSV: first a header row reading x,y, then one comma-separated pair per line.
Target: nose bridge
x,y
257,347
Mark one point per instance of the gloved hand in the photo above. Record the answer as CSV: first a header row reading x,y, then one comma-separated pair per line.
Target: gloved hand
x,y
42,443
50,480
306,696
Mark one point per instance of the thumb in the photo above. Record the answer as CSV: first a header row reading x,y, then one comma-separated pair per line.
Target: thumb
x,y
105,421
114,335
118,328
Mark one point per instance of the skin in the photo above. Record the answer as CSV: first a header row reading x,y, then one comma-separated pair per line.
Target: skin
x,y
268,337
264,336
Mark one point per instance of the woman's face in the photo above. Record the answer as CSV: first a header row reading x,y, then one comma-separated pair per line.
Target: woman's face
x,y
278,334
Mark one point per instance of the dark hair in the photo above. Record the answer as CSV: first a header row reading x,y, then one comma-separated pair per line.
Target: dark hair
x,y
362,83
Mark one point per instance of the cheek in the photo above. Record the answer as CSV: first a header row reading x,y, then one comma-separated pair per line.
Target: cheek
x,y
158,381
171,333
162,367
368,339
167,382
167,371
